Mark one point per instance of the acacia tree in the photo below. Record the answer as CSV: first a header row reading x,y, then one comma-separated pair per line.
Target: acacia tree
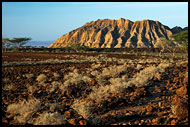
x,y
18,42
4,42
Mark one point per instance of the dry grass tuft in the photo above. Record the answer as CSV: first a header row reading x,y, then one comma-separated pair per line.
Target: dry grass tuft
x,y
24,110
50,119
83,108
99,94
41,78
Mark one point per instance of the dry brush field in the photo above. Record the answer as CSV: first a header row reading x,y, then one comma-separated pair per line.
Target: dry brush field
x,y
41,88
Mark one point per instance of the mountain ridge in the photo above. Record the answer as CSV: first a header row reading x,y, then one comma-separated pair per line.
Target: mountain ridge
x,y
106,33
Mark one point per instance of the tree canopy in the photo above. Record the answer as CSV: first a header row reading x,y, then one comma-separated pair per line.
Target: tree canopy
x,y
4,41
18,42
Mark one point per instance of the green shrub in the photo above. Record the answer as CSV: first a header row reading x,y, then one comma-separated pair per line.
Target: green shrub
x,y
76,47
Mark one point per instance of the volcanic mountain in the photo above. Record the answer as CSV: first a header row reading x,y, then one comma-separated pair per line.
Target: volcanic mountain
x,y
120,33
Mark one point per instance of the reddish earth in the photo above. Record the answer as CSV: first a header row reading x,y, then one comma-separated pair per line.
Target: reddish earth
x,y
149,105
38,56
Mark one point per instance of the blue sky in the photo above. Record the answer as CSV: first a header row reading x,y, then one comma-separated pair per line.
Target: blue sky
x,y
47,21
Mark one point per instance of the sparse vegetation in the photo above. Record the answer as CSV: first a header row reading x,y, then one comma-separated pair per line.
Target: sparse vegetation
x,y
95,89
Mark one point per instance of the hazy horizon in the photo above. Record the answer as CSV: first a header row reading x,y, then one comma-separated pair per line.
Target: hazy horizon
x,y
38,43
47,21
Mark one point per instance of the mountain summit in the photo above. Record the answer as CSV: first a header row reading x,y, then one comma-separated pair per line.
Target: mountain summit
x,y
119,33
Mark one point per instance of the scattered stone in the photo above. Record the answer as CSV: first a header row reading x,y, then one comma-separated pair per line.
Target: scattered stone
x,y
68,104
63,92
157,89
179,108
175,79
149,108
160,113
148,121
67,114
156,120
92,82
173,122
181,91
124,124
39,91
160,104
185,80
5,121
72,121
136,122
10,116
132,98
82,122
157,99
140,92
171,116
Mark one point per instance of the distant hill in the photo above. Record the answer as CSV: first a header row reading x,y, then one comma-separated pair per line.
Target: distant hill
x,y
39,43
178,29
120,33
186,28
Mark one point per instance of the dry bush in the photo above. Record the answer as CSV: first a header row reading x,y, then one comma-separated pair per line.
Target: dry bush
x,y
113,71
54,86
86,79
8,86
100,94
73,78
163,66
110,72
119,84
41,78
57,75
29,75
24,110
142,78
32,89
95,73
83,108
50,119
52,106
94,66
53,61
